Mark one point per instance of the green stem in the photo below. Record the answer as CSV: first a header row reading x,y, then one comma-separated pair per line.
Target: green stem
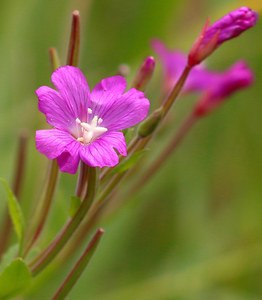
x,y
97,209
165,154
79,267
176,90
82,181
48,254
44,207
137,143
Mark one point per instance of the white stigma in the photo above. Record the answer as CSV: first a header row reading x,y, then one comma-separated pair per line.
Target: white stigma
x,y
91,130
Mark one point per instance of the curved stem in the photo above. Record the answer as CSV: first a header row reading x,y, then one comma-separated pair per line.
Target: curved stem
x,y
176,90
168,150
44,207
48,254
79,267
82,181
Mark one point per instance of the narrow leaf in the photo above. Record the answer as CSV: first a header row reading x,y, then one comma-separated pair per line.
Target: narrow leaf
x,y
74,205
9,256
14,211
129,162
15,278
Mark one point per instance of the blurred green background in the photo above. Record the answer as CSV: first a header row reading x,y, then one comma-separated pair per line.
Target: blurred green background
x,y
195,231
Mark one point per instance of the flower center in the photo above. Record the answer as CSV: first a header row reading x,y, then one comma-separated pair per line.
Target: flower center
x,y
91,130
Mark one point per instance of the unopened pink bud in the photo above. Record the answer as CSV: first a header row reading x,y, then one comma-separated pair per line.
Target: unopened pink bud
x,y
145,73
226,28
239,76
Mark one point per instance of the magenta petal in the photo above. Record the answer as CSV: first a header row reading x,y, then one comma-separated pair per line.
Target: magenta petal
x,y
53,106
73,88
52,142
105,92
102,152
59,144
123,111
231,25
69,160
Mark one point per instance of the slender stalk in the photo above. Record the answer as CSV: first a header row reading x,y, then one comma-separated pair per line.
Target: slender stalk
x,y
103,200
74,42
82,181
48,254
51,182
137,143
44,206
176,90
165,154
16,187
79,267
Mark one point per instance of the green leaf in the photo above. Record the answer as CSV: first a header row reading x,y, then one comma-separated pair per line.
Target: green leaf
x,y
9,256
74,205
15,278
129,162
14,211
129,134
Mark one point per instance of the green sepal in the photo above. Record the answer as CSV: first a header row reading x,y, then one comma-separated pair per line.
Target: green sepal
x,y
15,212
129,162
15,278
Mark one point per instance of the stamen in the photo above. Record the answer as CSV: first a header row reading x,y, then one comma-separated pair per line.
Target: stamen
x,y
80,139
90,131
89,110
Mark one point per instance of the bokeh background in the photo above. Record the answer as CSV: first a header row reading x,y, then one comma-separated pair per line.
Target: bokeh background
x,y
195,231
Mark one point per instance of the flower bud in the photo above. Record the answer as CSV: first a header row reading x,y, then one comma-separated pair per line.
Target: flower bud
x,y
148,126
226,28
239,76
144,73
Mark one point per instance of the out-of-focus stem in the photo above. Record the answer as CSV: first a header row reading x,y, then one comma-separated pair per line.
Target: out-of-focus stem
x,y
79,267
20,164
44,206
96,211
74,43
82,181
168,150
48,254
16,187
50,183
176,90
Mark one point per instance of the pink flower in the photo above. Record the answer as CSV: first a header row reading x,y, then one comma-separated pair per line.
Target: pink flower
x,y
174,62
200,78
239,76
226,28
87,124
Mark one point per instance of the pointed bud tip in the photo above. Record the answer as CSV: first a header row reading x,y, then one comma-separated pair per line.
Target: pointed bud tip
x,y
228,27
123,70
76,13
150,62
